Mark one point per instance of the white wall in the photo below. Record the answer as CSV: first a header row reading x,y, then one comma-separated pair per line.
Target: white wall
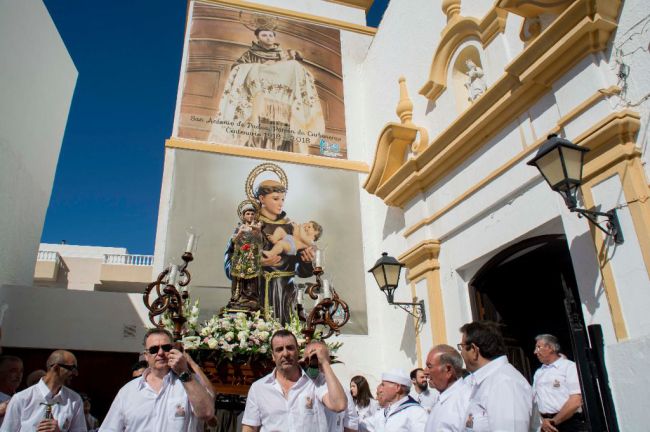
x,y
37,80
72,319
627,365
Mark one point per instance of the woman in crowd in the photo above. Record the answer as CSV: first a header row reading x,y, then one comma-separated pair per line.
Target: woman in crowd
x,y
365,403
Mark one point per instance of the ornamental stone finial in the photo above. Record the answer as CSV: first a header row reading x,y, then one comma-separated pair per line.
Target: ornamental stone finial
x,y
451,8
405,106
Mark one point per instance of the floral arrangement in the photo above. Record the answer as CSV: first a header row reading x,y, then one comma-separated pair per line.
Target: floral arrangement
x,y
237,335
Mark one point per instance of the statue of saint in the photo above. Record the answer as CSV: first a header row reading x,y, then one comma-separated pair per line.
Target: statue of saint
x,y
475,84
277,292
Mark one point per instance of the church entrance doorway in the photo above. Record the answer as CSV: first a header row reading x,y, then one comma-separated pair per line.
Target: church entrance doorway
x,y
530,289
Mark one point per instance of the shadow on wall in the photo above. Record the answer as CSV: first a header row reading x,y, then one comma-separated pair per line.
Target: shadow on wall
x,y
394,221
582,255
408,340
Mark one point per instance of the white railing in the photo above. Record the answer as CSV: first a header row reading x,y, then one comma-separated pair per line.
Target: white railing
x,y
128,259
44,255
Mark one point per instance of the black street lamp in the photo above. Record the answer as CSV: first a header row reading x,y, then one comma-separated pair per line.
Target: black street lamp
x,y
560,162
386,272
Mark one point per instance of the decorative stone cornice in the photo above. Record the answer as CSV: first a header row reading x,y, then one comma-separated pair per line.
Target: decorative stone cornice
x,y
585,27
533,8
394,141
421,258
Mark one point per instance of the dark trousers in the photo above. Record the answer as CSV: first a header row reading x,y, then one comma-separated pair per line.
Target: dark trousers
x,y
575,423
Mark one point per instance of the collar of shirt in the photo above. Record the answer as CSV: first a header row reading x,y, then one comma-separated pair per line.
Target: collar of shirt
x,y
394,406
47,394
456,386
143,379
480,375
556,364
271,379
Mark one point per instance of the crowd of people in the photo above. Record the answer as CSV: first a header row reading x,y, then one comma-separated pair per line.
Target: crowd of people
x,y
472,387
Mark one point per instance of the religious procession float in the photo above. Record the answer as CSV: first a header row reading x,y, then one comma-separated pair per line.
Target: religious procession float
x,y
265,258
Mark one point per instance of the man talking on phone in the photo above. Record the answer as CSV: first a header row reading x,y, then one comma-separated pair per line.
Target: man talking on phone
x,y
167,397
288,399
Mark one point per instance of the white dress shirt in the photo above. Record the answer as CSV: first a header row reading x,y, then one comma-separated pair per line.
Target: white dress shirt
x,y
138,408
448,414
25,410
427,398
554,383
501,399
301,411
405,415
348,419
365,416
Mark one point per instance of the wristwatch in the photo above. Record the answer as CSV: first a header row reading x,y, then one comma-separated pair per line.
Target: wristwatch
x,y
185,376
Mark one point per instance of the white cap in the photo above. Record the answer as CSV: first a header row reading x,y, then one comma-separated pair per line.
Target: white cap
x,y
398,376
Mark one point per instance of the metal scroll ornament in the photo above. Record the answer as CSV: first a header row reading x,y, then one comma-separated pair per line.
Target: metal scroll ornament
x,y
169,296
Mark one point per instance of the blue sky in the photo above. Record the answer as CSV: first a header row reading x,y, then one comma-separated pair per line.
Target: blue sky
x,y
107,184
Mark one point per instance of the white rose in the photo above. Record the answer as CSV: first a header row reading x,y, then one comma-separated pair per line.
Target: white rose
x,y
212,343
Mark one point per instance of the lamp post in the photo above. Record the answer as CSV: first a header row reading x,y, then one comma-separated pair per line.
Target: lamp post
x,y
386,272
560,162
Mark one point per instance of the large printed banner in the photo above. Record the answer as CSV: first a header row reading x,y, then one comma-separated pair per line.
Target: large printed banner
x,y
206,194
257,80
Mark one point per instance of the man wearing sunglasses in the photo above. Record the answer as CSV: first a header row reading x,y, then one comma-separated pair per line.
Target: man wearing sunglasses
x,y
167,397
27,409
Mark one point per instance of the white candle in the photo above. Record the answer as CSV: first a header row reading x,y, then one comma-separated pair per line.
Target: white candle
x,y
318,258
300,296
190,243
172,276
327,292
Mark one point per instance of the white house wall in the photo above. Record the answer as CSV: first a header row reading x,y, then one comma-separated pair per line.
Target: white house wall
x,y
37,80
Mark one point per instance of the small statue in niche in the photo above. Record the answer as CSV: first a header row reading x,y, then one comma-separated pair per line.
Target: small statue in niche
x,y
475,84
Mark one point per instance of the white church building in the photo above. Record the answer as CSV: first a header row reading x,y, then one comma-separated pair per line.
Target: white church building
x,y
427,126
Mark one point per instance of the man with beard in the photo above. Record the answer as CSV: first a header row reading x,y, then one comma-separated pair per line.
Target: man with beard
x,y
29,409
11,374
167,397
289,400
427,397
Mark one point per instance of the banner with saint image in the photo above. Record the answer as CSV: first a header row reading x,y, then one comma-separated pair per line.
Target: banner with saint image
x,y
261,81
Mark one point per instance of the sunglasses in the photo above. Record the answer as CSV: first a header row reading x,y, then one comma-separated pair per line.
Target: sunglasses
x,y
70,368
154,349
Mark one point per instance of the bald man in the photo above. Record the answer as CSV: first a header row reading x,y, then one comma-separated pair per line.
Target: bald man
x,y
27,409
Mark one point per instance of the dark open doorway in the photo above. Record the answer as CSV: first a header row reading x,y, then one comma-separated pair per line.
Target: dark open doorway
x,y
521,288
530,288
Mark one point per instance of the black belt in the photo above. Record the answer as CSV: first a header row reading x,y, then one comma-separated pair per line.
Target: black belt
x,y
578,416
